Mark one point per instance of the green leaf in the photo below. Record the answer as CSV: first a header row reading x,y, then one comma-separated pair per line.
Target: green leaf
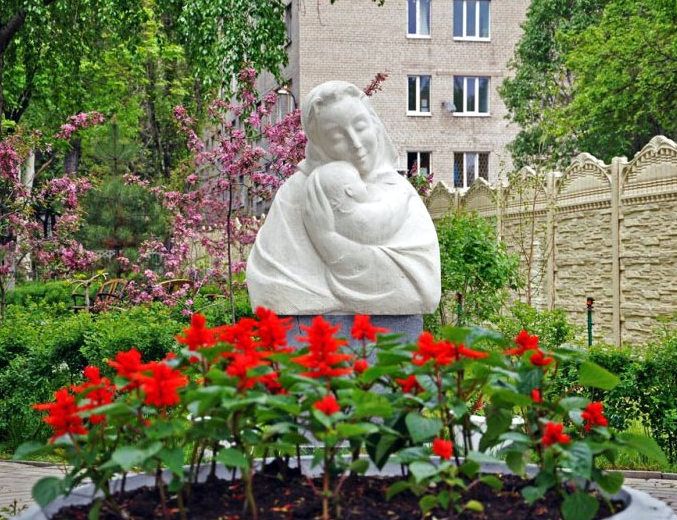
x,y
127,456
47,489
396,488
483,458
427,503
359,466
573,403
579,506
644,445
422,429
232,458
492,481
532,493
355,430
173,459
474,505
610,481
591,374
422,470
370,404
27,449
580,460
516,462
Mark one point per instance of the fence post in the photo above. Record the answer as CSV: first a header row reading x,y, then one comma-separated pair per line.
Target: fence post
x,y
617,167
589,304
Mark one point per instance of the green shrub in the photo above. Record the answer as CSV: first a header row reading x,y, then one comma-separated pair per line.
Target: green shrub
x,y
41,292
552,327
476,265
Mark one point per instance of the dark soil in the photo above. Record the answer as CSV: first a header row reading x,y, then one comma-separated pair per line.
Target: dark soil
x,y
294,498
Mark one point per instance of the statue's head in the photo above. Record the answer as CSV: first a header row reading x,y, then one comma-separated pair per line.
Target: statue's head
x,y
341,125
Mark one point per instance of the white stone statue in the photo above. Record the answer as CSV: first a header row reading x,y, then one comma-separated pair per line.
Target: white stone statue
x,y
346,233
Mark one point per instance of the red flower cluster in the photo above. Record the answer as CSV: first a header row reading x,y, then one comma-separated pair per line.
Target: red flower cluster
x,y
159,381
97,390
554,435
536,396
323,358
327,405
593,415
526,343
161,386
361,365
197,336
409,384
363,329
443,448
253,341
62,415
442,352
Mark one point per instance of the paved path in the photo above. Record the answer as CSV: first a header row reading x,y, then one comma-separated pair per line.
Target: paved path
x,y
17,479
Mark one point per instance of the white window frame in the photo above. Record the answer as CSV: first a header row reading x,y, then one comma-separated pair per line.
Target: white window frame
x,y
418,160
465,170
477,24
418,111
430,18
476,112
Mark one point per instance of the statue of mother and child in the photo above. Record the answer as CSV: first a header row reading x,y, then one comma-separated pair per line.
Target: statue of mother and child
x,y
346,234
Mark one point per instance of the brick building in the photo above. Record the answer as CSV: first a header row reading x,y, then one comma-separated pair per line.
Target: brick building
x,y
445,60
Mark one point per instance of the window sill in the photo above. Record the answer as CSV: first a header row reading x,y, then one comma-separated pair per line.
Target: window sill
x,y
471,114
471,39
419,114
418,37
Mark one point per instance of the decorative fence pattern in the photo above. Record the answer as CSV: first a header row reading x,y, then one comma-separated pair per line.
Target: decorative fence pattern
x,y
608,231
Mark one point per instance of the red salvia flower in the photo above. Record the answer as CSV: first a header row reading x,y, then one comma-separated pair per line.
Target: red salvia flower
x,y
272,383
327,405
442,352
197,335
97,390
409,384
594,415
62,415
443,448
363,329
161,386
536,396
323,356
128,364
540,360
524,342
554,435
272,330
361,365
240,366
240,335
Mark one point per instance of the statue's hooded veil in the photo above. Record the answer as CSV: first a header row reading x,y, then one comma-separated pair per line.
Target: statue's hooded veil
x,y
334,91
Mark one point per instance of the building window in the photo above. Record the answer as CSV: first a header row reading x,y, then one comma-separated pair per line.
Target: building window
x,y
418,95
418,18
418,162
471,19
471,95
468,166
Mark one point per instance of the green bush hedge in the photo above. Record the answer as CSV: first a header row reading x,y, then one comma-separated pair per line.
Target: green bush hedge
x,y
41,292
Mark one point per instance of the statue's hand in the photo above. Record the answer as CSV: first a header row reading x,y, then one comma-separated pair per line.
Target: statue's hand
x,y
318,215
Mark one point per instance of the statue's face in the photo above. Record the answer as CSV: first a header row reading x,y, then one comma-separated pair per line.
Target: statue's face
x,y
345,132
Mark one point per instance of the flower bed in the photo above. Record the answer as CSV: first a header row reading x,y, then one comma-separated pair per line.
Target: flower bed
x,y
238,393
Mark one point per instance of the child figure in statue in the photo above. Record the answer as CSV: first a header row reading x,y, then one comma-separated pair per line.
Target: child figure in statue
x,y
360,212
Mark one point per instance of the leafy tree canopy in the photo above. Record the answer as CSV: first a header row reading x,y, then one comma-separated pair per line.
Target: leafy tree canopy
x,y
592,75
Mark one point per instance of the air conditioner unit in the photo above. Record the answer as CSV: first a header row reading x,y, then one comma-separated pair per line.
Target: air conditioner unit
x,y
449,106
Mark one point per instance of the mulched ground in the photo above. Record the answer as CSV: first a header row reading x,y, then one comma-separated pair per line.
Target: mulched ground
x,y
294,498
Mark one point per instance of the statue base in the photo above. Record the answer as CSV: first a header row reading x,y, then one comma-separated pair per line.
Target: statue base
x,y
409,326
